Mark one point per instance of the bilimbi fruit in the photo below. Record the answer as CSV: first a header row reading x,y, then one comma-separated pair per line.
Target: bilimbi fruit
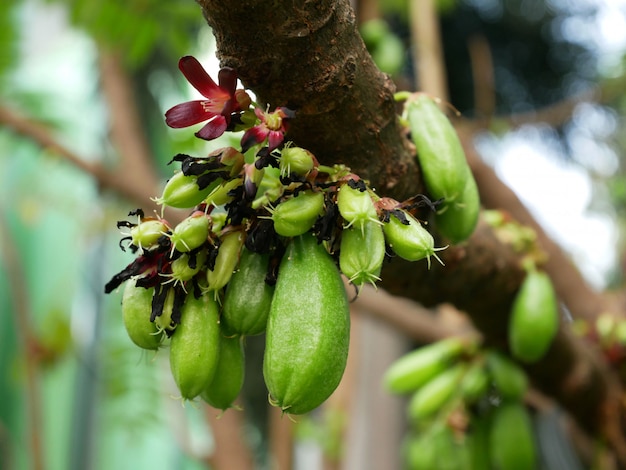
x,y
296,215
308,329
410,240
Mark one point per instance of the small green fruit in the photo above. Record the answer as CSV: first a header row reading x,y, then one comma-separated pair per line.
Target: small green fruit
x,y
412,241
295,160
509,379
436,393
362,253
511,438
226,260
146,233
356,206
136,310
415,369
439,149
183,192
297,214
191,233
248,297
194,348
227,381
534,318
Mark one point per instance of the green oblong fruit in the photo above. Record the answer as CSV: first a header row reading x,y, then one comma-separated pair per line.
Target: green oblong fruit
x,y
356,206
182,191
248,297
297,214
475,383
457,220
389,54
410,241
508,378
146,234
511,438
413,370
295,160
308,329
136,311
164,321
437,448
421,451
227,381
436,393
194,347
362,253
191,233
182,269
440,153
226,260
534,318
478,442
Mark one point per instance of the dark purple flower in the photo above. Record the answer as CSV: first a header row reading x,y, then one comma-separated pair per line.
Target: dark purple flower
x,y
221,100
272,127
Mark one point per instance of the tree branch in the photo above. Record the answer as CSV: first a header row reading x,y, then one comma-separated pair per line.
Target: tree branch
x,y
582,301
40,134
309,56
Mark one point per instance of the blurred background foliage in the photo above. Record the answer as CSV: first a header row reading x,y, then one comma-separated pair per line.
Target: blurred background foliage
x,y
74,392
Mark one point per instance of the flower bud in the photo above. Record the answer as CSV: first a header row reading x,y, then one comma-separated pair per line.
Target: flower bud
x,y
243,99
232,158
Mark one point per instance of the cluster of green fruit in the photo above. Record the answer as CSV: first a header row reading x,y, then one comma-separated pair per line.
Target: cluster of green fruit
x,y
466,408
259,253
262,251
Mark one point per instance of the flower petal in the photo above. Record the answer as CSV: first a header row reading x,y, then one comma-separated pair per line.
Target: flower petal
x,y
254,135
275,139
227,79
187,114
197,76
213,129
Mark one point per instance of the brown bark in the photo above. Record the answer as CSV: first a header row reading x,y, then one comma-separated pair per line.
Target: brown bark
x,y
111,180
307,55
231,449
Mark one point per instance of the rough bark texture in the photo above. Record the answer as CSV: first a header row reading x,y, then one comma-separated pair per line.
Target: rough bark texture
x,y
307,55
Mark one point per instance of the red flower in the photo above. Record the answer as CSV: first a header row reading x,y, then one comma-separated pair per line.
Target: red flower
x,y
221,100
272,127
